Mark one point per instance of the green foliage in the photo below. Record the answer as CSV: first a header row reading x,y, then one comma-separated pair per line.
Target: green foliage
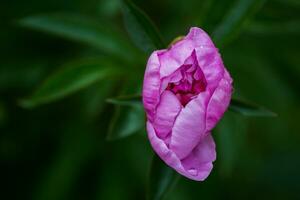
x,y
140,28
70,79
240,13
274,28
126,121
161,179
129,100
93,32
128,118
230,136
249,109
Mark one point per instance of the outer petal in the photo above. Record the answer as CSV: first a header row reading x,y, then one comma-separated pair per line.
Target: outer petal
x,y
211,65
199,37
219,101
174,57
199,162
166,113
189,126
151,85
196,166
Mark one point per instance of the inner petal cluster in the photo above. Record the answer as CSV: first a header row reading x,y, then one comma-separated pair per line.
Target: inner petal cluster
x,y
190,83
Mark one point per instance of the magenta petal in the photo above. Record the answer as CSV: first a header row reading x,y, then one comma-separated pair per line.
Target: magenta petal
x,y
211,65
219,101
151,85
166,113
172,59
196,166
189,126
199,37
199,161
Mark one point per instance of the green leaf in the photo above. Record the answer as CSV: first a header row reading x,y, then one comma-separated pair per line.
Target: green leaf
x,y
82,29
274,28
128,100
129,116
249,109
94,99
70,79
141,29
234,21
161,179
126,121
230,138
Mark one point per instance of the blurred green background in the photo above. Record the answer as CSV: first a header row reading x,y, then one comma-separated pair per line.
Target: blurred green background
x,y
61,60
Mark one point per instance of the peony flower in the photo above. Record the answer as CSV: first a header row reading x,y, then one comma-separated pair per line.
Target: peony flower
x,y
185,93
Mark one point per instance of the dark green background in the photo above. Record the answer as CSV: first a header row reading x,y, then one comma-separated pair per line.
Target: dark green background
x,y
59,150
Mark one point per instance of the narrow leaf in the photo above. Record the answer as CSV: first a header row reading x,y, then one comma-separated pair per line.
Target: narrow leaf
x,y
141,29
234,21
129,116
82,29
70,79
128,100
127,120
249,109
275,28
161,179
230,138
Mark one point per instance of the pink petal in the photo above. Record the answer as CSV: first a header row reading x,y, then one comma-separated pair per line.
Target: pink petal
x,y
199,37
174,57
166,113
219,101
196,166
151,85
211,65
161,149
199,161
189,126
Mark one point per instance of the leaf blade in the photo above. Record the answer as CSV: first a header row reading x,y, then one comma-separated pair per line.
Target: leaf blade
x,y
231,137
249,109
126,121
70,79
82,29
235,20
128,117
161,179
141,29
128,100
274,28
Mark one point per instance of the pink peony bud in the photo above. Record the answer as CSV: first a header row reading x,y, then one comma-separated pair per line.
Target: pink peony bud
x,y
186,91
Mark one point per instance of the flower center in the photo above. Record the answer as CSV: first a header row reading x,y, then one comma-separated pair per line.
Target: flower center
x,y
192,82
